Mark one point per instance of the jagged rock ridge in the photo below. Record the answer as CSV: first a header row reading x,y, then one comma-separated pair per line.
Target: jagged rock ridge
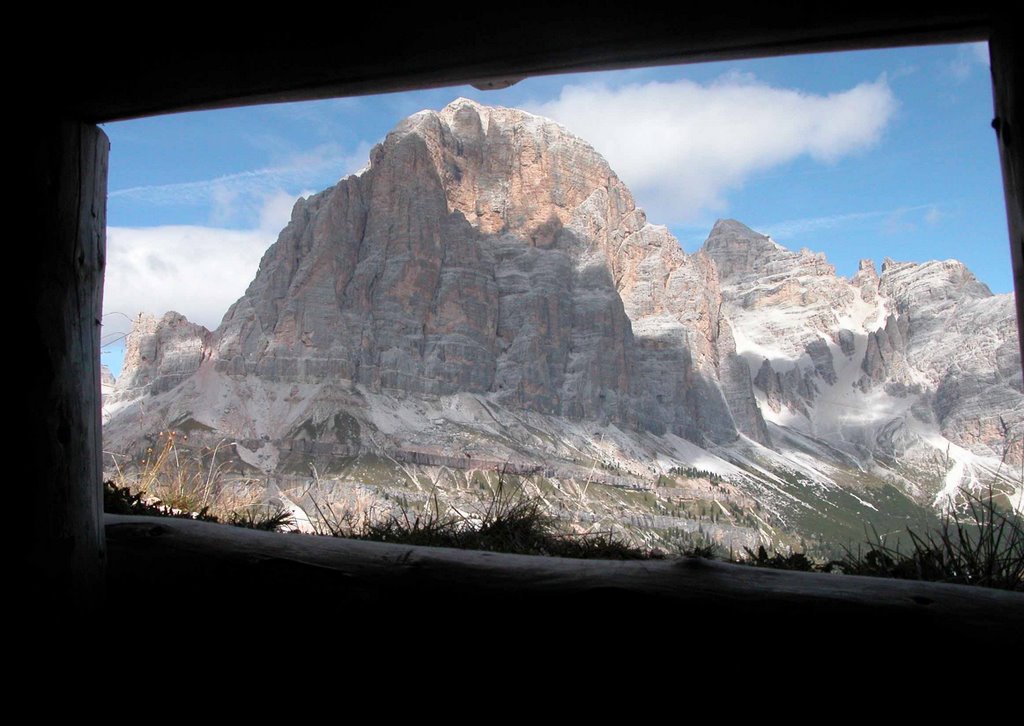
x,y
490,251
488,285
919,363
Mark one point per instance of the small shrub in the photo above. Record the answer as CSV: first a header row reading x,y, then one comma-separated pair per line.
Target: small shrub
x,y
512,522
984,548
266,517
122,500
796,561
173,479
693,472
707,551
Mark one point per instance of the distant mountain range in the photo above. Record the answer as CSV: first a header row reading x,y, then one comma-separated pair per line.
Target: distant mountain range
x,y
486,294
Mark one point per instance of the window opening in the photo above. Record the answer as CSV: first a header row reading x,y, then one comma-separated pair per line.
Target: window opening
x,y
477,302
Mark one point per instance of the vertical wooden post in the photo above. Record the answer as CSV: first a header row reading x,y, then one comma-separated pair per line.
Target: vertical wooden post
x,y
68,193
1008,98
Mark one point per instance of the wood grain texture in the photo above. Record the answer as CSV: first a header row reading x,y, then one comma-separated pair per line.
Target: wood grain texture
x,y
196,567
1008,98
179,64
66,272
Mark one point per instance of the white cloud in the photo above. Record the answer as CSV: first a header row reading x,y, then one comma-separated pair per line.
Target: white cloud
x,y
199,271
934,216
899,222
891,220
966,58
781,231
276,211
196,271
681,146
980,52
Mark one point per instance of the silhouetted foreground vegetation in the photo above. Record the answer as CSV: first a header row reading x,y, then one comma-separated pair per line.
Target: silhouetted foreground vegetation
x,y
122,500
512,523
983,546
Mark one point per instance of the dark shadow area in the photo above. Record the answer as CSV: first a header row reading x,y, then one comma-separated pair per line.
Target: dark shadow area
x,y
186,568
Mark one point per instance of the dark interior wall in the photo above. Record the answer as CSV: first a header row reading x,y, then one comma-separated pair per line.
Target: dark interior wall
x,y
183,62
176,66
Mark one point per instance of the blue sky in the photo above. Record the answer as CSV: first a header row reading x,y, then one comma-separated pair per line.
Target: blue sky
x,y
867,154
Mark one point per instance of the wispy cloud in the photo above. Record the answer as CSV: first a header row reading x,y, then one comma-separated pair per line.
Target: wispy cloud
x,y
681,146
807,225
967,58
237,199
980,52
327,118
271,178
889,217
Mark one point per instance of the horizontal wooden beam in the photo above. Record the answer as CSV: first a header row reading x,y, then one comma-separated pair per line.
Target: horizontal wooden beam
x,y
182,566
182,66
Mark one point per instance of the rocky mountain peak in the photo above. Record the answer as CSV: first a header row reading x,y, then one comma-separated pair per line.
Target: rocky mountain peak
x,y
506,170
487,283
866,280
934,283
740,253
489,251
160,353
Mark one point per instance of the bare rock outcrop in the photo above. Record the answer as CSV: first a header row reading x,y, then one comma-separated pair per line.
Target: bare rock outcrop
x,y
781,299
490,251
958,340
866,280
160,353
487,287
846,361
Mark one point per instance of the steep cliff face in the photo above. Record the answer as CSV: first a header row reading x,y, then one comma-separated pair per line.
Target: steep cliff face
x,y
487,290
883,367
955,341
490,251
160,353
